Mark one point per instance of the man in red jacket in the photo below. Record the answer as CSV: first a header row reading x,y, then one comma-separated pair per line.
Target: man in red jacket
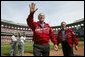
x,y
41,33
67,38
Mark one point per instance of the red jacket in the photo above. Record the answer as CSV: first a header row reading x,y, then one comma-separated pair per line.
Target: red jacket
x,y
40,35
70,37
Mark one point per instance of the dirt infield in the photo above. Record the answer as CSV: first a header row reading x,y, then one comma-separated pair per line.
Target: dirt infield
x,y
79,52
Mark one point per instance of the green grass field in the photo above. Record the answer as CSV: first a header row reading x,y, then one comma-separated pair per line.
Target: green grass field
x,y
5,48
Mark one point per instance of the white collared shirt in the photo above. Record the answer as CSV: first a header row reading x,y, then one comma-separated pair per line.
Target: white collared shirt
x,y
14,38
22,39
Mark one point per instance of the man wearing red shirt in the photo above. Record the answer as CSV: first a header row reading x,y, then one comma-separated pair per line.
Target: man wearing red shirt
x,y
41,33
67,38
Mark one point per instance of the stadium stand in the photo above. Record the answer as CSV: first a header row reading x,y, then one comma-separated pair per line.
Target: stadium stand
x,y
9,27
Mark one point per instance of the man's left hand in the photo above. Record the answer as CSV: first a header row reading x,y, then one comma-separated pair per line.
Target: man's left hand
x,y
56,47
76,47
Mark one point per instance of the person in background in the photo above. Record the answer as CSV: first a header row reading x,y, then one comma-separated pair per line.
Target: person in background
x,y
13,45
21,44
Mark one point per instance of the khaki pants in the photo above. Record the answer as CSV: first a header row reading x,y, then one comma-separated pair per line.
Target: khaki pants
x,y
21,49
13,48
